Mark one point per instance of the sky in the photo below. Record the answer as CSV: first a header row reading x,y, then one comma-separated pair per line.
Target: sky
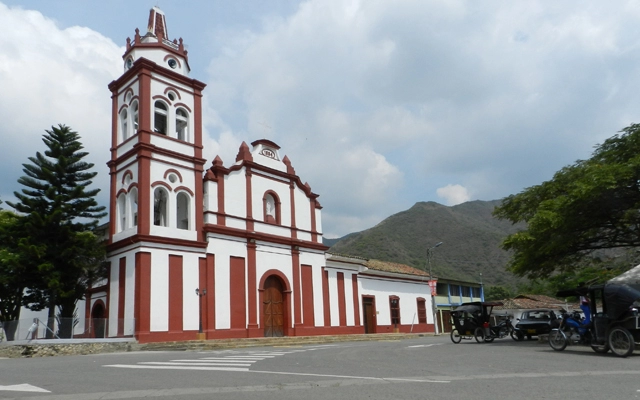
x,y
378,104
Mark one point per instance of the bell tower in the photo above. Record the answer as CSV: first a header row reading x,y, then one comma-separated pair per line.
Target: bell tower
x,y
156,146
156,242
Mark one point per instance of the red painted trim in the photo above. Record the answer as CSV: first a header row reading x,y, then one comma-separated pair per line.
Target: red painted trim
x,y
243,233
252,290
144,193
144,107
126,91
307,296
417,328
122,273
124,176
220,220
159,97
342,301
168,56
172,171
297,293
173,89
237,291
292,200
356,296
156,240
325,297
182,105
211,295
142,309
185,189
175,298
249,200
203,304
160,183
87,306
312,211
197,121
279,274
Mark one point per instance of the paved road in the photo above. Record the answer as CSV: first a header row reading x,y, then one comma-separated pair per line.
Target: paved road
x,y
423,368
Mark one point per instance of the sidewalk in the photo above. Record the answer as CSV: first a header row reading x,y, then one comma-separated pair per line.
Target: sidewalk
x,y
61,347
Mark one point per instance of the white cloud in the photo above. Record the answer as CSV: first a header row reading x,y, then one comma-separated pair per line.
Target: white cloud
x,y
453,194
51,76
378,104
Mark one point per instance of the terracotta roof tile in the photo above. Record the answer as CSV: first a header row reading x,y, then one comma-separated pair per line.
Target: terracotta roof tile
x,y
529,301
387,266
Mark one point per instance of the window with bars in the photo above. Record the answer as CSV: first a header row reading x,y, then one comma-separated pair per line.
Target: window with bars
x,y
422,311
394,305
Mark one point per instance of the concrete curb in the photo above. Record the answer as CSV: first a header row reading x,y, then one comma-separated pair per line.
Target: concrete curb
x,y
61,347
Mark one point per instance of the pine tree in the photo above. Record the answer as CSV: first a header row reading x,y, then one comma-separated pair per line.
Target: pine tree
x,y
60,212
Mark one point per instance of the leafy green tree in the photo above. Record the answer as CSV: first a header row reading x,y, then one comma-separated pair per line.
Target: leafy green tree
x,y
13,275
589,206
60,212
497,293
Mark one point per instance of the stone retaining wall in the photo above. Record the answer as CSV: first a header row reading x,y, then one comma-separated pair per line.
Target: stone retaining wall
x,y
49,350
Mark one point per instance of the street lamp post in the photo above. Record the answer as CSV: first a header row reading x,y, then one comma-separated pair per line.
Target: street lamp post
x,y
433,298
200,294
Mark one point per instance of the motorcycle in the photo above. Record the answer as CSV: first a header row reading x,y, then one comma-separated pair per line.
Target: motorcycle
x,y
503,329
573,331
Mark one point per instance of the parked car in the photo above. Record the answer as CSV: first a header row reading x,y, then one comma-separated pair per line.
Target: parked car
x,y
536,322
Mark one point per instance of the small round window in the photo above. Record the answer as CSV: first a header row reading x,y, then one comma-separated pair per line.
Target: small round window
x,y
173,178
172,96
129,63
172,63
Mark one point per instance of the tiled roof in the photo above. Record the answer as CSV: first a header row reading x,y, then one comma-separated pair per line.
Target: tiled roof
x,y
530,301
387,266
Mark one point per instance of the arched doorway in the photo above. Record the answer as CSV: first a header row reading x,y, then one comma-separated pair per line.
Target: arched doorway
x,y
98,320
273,307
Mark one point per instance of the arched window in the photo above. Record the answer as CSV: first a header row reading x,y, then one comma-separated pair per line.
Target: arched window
x,y
160,118
271,208
124,124
134,117
182,124
182,210
122,212
133,206
160,207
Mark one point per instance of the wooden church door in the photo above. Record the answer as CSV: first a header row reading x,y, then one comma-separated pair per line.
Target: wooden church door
x,y
273,308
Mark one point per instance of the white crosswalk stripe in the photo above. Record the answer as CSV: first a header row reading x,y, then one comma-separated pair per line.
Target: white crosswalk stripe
x,y
228,360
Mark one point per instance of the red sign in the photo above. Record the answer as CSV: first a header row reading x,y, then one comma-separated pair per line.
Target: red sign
x,y
432,285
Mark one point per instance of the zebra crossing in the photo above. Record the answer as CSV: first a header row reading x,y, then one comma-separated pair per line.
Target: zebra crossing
x,y
227,360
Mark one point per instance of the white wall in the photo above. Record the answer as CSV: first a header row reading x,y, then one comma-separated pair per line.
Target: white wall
x,y
408,293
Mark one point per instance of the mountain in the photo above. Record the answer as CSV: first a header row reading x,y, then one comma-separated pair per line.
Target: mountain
x,y
471,241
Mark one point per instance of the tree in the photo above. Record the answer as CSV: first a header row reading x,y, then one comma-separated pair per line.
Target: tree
x,y
13,275
587,207
60,213
497,293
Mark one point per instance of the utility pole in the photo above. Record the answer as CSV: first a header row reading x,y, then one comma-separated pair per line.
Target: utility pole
x,y
432,284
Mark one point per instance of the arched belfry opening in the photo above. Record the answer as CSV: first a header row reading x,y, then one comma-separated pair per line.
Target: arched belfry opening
x,y
273,307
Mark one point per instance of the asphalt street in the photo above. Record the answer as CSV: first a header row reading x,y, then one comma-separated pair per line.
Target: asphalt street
x,y
422,368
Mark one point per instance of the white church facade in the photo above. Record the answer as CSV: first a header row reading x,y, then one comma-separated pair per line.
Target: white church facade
x,y
226,250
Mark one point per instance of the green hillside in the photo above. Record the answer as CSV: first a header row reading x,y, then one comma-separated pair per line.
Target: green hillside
x,y
471,241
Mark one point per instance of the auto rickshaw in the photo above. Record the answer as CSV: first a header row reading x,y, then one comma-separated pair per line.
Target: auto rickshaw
x,y
471,321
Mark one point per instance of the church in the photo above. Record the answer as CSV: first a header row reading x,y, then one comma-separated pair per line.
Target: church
x,y
229,248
